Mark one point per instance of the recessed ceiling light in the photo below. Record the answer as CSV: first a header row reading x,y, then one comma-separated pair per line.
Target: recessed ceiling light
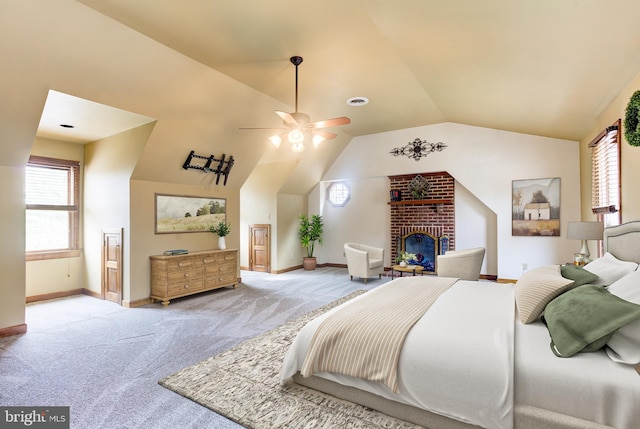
x,y
357,101
67,126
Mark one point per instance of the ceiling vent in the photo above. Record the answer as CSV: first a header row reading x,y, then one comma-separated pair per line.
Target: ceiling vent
x,y
357,101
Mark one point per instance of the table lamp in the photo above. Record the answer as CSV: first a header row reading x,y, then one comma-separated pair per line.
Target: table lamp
x,y
585,231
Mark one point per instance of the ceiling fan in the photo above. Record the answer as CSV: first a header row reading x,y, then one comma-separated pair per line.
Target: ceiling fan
x,y
297,124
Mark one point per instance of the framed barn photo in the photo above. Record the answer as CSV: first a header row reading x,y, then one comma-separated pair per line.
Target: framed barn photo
x,y
181,213
535,207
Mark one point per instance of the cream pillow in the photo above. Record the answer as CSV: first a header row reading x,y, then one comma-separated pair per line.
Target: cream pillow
x,y
536,288
609,269
624,345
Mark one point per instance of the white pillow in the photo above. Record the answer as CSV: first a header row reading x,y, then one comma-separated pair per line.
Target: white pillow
x,y
609,269
624,345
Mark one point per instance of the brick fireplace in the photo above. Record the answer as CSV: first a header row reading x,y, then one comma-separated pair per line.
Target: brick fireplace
x,y
428,222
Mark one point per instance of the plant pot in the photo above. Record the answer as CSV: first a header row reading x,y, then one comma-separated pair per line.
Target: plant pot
x,y
309,263
222,244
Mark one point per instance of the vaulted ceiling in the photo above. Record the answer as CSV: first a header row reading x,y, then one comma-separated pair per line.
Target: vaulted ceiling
x,y
205,68
543,67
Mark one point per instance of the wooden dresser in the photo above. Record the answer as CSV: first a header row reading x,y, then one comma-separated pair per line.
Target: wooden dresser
x,y
182,275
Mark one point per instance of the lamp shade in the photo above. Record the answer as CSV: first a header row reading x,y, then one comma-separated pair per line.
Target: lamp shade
x,y
585,230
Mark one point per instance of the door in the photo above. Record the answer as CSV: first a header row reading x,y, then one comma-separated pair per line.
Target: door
x,y
112,265
260,248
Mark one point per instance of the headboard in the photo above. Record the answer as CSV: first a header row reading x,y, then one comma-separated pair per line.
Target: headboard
x,y
623,241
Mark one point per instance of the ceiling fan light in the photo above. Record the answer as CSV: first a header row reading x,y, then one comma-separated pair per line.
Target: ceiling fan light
x,y
296,136
276,140
297,147
317,140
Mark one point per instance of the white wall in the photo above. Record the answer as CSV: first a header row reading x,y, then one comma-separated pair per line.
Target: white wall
x,y
364,219
289,250
484,162
145,242
476,226
259,205
108,166
62,274
12,230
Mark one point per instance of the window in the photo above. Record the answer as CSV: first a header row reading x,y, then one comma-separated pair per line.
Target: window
x,y
605,175
339,194
52,215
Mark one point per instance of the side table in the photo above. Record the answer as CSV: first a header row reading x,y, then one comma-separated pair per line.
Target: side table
x,y
408,269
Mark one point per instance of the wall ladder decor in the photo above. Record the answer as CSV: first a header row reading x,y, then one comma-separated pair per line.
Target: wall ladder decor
x,y
221,166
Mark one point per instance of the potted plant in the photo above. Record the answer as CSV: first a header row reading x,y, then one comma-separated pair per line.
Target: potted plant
x,y
310,232
222,229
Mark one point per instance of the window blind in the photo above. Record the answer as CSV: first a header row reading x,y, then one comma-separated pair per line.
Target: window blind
x,y
605,171
52,211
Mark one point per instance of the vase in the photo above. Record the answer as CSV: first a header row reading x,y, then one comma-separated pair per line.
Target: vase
x,y
309,263
222,243
403,264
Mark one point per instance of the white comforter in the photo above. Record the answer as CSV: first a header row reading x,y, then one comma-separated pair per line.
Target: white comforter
x,y
457,360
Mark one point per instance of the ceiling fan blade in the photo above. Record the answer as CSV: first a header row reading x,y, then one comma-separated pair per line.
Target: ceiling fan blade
x,y
254,128
287,118
326,134
343,120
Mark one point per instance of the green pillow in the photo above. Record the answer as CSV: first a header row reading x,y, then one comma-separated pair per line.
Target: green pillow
x,y
579,275
584,318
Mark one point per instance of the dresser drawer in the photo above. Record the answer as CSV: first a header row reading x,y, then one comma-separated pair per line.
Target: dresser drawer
x,y
230,257
184,264
185,287
225,278
229,267
184,275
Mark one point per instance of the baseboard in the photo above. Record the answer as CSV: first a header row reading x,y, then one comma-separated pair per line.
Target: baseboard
x,y
286,270
13,330
91,293
53,295
137,303
498,280
334,265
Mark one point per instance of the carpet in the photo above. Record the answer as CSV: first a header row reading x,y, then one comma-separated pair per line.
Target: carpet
x,y
243,384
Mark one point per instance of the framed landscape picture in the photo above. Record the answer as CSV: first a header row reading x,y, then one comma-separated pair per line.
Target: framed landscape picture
x,y
535,207
180,213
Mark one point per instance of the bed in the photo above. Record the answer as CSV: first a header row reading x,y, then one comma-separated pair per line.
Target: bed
x,y
471,361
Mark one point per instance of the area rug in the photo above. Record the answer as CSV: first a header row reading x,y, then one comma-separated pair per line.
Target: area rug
x,y
243,384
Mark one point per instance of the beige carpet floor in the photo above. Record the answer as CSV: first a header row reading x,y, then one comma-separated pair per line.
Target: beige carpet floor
x,y
243,384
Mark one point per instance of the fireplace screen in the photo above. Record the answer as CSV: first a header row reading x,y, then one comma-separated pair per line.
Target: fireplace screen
x,y
425,247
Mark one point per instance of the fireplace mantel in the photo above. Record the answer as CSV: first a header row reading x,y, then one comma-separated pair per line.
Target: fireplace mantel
x,y
419,202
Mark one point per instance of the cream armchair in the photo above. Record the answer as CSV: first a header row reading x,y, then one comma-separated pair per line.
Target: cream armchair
x,y
463,264
364,261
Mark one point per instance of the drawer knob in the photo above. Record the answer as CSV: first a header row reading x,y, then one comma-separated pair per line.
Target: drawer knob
x,y
186,286
206,261
186,274
180,264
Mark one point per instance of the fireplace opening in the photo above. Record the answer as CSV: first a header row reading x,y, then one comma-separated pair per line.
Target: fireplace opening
x,y
424,246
